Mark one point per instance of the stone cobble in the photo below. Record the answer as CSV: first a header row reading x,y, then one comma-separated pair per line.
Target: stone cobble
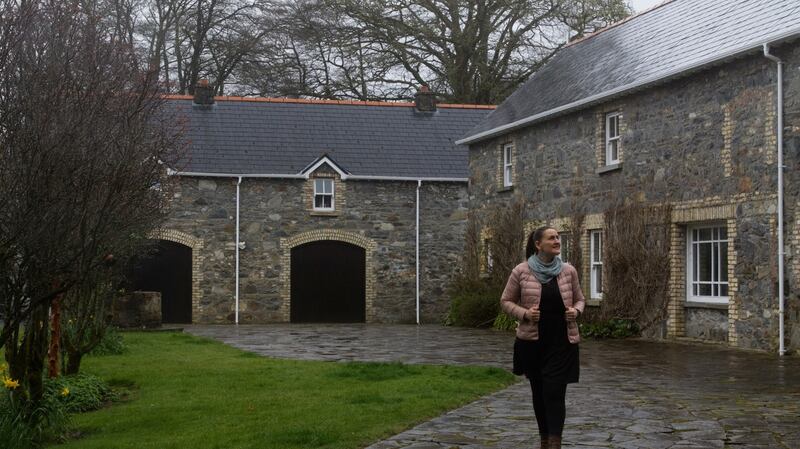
x,y
633,393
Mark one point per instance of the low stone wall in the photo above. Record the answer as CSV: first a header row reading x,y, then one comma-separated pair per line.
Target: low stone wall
x,y
137,310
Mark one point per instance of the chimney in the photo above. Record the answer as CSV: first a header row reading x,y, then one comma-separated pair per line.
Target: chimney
x,y
203,93
425,100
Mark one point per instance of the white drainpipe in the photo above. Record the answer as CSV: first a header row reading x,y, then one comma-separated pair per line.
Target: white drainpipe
x,y
781,348
419,184
236,244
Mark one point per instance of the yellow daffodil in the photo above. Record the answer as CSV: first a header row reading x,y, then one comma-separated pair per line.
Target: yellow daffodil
x,y
65,392
10,383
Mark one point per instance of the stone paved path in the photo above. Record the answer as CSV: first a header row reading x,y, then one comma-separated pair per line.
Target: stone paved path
x,y
633,394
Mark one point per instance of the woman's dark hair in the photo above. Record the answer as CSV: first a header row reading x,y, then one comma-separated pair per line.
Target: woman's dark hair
x,y
535,236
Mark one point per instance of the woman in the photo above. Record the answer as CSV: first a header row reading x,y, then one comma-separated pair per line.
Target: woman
x,y
545,296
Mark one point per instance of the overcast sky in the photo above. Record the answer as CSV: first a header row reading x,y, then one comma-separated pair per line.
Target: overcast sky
x,y
641,5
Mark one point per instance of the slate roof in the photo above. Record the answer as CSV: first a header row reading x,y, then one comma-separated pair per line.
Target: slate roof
x,y
668,40
282,137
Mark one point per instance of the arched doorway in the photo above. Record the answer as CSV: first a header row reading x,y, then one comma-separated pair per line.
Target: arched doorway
x,y
167,270
328,283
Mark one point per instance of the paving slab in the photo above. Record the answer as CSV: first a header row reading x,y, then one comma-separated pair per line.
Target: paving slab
x,y
633,393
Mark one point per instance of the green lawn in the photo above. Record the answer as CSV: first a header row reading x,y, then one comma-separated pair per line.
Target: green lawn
x,y
196,393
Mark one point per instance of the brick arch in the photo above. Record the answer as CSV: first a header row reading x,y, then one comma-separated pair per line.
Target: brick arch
x,y
196,244
353,238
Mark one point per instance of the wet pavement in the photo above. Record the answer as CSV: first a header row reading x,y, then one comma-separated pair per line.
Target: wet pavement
x,y
632,394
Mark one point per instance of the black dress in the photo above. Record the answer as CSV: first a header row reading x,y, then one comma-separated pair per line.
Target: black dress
x,y
552,357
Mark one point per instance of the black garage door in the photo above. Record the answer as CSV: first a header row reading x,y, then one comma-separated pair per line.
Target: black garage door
x,y
328,283
169,271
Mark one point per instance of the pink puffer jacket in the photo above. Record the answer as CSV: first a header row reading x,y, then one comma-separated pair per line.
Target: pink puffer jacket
x,y
524,291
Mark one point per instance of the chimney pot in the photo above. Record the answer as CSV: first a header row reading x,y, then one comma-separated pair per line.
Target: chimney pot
x,y
425,100
203,93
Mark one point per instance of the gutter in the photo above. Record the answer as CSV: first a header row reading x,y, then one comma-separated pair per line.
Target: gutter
x,y
781,252
345,177
662,77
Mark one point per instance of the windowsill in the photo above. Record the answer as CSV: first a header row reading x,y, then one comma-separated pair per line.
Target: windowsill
x,y
505,189
705,305
609,168
593,302
325,213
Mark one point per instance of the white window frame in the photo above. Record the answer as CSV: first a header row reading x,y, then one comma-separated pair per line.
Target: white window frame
x,y
612,140
323,193
489,260
565,244
692,271
508,162
596,264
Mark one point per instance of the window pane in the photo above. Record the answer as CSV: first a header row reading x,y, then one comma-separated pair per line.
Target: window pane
x,y
614,151
723,290
318,201
723,262
723,233
694,263
326,201
600,279
705,289
327,185
318,186
595,247
704,262
715,262
694,289
564,246
705,234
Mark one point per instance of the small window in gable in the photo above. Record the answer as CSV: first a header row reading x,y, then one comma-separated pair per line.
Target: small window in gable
x,y
612,138
323,194
508,180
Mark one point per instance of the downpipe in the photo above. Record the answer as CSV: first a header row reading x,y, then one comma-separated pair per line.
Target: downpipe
x,y
237,245
781,251
419,184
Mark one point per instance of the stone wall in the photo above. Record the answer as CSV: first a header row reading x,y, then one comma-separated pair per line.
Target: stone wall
x,y
276,214
704,144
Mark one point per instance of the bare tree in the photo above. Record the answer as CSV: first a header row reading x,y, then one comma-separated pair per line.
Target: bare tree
x,y
83,143
472,51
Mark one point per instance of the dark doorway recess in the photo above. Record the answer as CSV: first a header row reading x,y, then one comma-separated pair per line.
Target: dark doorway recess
x,y
167,270
328,283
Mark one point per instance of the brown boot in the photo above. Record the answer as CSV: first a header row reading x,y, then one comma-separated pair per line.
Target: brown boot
x,y
544,439
554,442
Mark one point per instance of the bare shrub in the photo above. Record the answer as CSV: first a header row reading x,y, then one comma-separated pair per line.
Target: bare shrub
x,y
636,263
507,239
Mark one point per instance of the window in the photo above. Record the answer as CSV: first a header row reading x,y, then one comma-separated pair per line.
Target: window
x,y
612,138
507,164
323,194
707,264
596,281
565,245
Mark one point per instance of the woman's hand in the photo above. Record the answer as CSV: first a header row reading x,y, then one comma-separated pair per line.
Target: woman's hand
x,y
532,315
572,314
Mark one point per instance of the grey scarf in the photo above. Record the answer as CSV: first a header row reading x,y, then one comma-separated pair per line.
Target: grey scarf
x,y
545,272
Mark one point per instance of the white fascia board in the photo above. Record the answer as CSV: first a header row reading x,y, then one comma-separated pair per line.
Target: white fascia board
x,y
405,178
300,176
324,160
661,77
235,175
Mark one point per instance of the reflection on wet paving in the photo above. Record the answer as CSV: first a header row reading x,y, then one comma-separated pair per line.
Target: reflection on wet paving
x,y
632,394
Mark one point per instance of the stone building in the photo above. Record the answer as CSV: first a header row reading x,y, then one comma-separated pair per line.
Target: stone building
x,y
327,201
675,106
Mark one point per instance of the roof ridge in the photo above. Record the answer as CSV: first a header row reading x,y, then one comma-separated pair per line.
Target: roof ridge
x,y
618,23
333,102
